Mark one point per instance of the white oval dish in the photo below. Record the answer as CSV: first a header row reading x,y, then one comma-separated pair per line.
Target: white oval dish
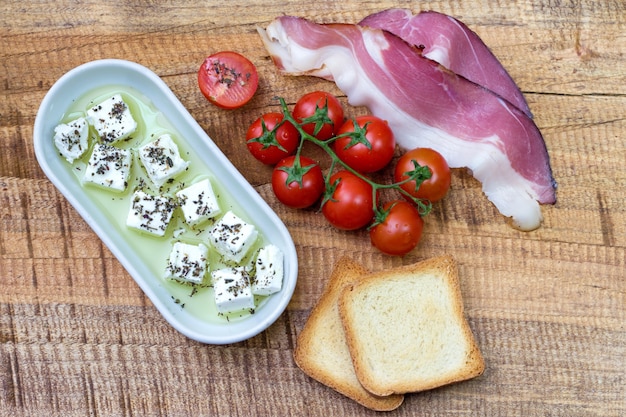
x,y
96,74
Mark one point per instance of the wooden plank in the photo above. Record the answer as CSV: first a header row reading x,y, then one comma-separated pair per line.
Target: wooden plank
x,y
78,337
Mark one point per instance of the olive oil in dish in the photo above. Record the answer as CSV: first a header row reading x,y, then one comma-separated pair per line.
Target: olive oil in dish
x,y
151,124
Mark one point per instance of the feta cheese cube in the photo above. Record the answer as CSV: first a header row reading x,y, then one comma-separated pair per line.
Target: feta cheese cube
x,y
232,290
187,263
232,237
71,139
112,119
269,271
108,167
161,159
150,213
198,202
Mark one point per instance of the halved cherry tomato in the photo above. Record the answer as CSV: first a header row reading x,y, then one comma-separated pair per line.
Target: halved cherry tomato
x,y
297,183
371,149
268,145
228,79
435,186
348,203
320,114
400,231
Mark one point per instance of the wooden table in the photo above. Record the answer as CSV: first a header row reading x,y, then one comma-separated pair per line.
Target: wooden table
x,y
548,307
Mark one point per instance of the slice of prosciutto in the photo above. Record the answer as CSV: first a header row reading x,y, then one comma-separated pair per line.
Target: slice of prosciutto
x,y
426,105
451,43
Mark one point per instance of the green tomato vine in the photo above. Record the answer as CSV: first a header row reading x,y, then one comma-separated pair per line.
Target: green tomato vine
x,y
419,174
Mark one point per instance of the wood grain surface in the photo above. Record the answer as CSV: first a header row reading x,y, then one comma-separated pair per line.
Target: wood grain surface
x,y
548,307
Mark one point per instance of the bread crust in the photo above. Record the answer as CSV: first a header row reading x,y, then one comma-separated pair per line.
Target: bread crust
x,y
441,347
321,349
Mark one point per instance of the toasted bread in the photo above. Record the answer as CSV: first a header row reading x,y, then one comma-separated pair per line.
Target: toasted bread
x,y
321,350
406,329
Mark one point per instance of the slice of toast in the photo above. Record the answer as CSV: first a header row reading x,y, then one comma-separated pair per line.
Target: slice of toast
x,y
406,328
321,350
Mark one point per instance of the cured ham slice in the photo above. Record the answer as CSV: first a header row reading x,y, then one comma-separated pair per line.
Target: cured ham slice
x,y
426,105
451,43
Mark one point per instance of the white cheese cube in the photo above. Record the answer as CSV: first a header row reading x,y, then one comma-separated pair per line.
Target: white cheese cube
x,y
108,167
71,139
232,237
150,213
161,159
269,271
198,202
232,290
112,119
187,263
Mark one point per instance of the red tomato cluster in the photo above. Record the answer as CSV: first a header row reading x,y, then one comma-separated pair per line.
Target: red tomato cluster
x,y
349,199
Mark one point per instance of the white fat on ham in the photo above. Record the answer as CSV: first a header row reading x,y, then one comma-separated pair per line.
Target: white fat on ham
x,y
511,193
357,61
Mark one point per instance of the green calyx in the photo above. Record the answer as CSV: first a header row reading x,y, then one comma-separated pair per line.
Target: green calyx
x,y
268,137
319,118
296,172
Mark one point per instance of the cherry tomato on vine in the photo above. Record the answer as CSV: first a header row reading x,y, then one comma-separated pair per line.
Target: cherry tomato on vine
x,y
400,231
320,114
270,146
228,79
369,151
433,187
297,183
348,203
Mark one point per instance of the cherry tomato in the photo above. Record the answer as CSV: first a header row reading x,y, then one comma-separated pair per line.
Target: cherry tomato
x,y
435,187
401,230
322,111
270,146
372,150
349,204
297,184
228,79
